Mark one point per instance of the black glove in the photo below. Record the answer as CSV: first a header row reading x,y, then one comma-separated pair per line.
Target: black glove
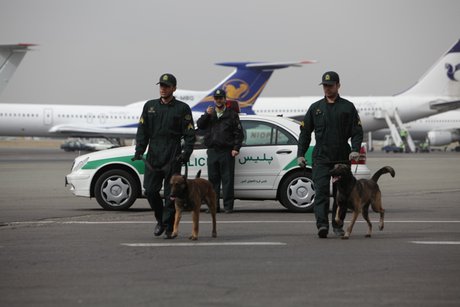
x,y
137,156
182,158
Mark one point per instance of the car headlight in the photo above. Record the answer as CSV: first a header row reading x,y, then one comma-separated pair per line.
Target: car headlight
x,y
79,165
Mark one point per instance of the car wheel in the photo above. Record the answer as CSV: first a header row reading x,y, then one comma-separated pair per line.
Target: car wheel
x,y
297,192
116,190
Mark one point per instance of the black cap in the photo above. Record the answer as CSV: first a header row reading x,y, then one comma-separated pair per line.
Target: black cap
x,y
168,80
219,93
330,78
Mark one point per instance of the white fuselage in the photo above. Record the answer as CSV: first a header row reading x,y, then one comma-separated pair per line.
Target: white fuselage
x,y
50,120
46,120
39,119
371,109
419,128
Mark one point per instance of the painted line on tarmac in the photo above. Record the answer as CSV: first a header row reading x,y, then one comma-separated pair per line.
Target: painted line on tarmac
x,y
436,242
203,244
209,222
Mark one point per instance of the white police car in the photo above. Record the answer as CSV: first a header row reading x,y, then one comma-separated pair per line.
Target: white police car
x,y
266,168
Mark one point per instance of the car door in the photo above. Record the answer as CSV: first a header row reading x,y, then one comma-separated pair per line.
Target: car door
x,y
267,149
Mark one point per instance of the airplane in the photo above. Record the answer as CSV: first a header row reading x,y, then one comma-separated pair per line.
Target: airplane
x,y
437,91
244,84
10,58
439,130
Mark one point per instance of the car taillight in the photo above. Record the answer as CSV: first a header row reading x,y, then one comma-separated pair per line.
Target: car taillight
x,y
362,156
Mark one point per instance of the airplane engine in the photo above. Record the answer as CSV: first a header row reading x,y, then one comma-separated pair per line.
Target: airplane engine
x,y
439,138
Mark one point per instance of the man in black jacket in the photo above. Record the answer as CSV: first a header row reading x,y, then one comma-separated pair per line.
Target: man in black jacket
x,y
163,124
224,137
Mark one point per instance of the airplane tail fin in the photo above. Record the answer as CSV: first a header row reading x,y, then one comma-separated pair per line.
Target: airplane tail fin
x,y
245,84
10,57
442,79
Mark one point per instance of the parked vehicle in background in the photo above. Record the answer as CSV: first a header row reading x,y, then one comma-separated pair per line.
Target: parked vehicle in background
x,y
86,145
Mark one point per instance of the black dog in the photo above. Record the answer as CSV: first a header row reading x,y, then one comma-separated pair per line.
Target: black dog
x,y
358,195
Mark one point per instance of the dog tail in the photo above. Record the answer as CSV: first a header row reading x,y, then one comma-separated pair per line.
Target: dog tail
x,y
383,170
198,174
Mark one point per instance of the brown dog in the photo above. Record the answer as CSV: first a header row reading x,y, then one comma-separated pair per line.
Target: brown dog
x,y
358,195
188,194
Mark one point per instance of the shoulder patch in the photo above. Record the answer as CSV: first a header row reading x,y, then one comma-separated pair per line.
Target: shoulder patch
x,y
141,120
188,117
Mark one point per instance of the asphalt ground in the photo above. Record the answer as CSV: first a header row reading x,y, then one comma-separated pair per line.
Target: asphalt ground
x,y
60,250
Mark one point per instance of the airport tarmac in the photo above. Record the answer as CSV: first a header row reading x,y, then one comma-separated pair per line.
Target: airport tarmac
x,y
60,250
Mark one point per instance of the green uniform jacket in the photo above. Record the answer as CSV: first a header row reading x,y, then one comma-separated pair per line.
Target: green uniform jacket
x,y
334,124
162,126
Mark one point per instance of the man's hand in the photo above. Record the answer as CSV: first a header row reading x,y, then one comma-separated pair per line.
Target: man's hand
x,y
137,156
301,161
354,156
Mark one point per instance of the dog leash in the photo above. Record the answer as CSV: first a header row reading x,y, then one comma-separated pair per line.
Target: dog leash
x,y
186,170
342,162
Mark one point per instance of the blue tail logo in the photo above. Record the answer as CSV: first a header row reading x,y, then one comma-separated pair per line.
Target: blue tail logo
x,y
451,71
245,84
236,89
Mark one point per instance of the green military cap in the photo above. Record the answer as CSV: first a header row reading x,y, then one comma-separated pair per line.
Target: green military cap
x,y
168,79
219,93
330,78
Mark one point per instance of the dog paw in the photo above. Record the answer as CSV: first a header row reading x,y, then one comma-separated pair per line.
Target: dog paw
x,y
345,237
214,235
193,238
367,236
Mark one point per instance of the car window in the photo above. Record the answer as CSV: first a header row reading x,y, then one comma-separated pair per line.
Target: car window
x,y
257,133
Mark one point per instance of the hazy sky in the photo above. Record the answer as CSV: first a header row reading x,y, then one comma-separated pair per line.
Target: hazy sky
x,y
113,51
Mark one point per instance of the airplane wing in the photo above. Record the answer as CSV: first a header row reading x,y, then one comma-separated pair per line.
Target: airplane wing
x,y
83,131
444,105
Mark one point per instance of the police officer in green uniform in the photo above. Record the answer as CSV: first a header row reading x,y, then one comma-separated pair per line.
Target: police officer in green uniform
x,y
334,120
223,138
164,123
